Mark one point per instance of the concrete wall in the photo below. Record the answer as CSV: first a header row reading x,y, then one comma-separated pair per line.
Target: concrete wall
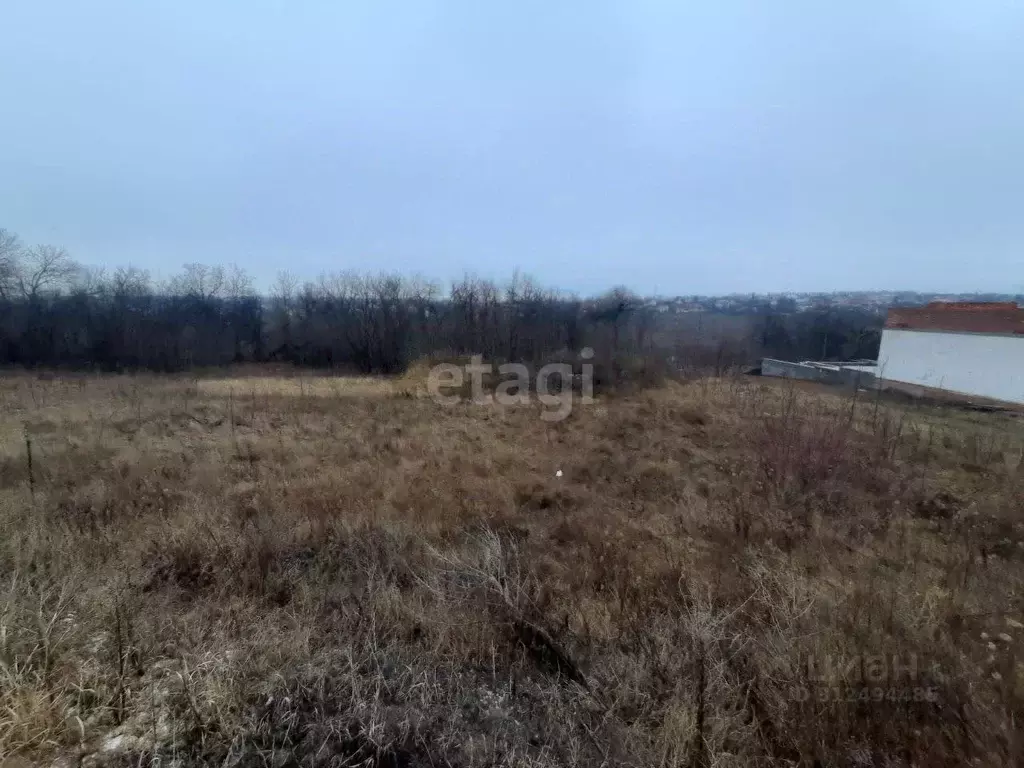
x,y
858,376
788,370
968,363
850,376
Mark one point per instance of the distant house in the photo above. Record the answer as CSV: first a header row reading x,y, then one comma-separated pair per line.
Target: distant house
x,y
971,348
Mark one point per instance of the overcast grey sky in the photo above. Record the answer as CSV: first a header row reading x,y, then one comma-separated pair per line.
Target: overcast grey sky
x,y
675,147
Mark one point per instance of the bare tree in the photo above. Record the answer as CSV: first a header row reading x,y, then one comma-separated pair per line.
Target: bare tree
x,y
285,286
44,269
237,282
130,282
280,329
199,281
10,262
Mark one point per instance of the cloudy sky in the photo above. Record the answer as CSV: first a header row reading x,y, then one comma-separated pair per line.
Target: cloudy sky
x,y
674,147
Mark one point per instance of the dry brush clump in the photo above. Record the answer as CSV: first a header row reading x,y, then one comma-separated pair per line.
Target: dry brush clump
x,y
239,571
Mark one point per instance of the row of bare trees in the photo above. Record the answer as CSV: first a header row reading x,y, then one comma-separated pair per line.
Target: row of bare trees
x,y
380,323
54,312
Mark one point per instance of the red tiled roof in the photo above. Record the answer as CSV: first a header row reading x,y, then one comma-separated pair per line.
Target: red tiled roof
x,y
971,317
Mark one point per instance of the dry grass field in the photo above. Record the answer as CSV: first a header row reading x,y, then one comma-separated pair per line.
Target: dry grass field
x,y
285,570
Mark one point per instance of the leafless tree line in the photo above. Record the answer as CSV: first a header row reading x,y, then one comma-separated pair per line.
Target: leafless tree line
x,y
54,312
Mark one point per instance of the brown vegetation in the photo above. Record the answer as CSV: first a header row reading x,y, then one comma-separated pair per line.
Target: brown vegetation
x,y
331,571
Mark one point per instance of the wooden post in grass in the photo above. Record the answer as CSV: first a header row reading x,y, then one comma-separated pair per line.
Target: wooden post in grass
x,y
31,475
231,411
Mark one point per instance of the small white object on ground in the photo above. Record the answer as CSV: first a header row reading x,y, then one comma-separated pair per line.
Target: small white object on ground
x,y
558,473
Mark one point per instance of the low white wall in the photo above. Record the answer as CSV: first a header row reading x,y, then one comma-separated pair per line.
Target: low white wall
x,y
970,363
788,370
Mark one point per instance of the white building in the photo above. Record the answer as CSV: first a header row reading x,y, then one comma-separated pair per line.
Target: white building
x,y
968,348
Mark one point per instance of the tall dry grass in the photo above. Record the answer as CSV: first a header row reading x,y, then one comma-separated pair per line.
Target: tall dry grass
x,y
728,572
